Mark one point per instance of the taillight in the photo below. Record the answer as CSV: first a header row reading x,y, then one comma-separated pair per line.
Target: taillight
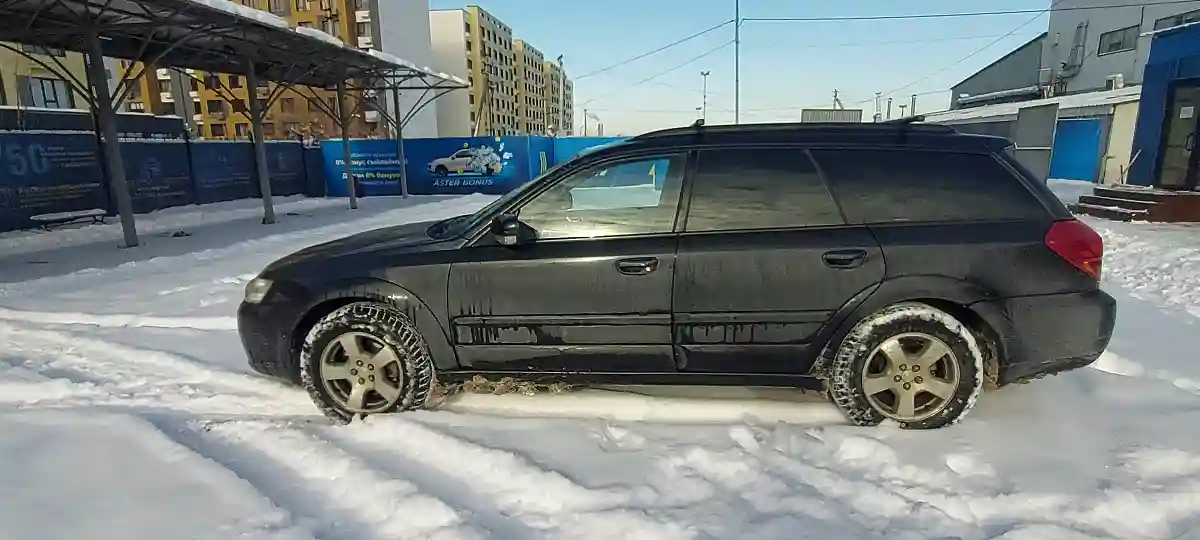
x,y
1078,244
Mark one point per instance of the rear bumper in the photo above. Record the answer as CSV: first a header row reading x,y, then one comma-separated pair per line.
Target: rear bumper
x,y
266,334
1054,333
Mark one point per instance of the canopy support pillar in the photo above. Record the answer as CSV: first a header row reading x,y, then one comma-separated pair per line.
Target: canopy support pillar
x,y
106,120
344,122
260,146
400,141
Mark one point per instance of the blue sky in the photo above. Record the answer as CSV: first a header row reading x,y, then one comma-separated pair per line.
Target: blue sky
x,y
785,66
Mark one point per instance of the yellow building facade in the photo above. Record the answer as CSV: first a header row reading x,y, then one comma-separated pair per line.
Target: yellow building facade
x,y
28,83
218,102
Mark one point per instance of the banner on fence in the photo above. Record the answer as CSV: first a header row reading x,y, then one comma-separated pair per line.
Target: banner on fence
x,y
434,166
222,171
158,174
285,161
45,174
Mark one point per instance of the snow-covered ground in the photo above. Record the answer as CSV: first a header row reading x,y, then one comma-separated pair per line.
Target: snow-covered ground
x,y
127,411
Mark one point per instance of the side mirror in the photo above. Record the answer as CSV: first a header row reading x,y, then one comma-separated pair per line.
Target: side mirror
x,y
506,228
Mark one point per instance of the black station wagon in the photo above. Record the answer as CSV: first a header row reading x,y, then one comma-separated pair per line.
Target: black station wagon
x,y
900,267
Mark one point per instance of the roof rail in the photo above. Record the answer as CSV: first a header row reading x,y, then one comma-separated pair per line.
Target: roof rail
x,y
698,127
906,120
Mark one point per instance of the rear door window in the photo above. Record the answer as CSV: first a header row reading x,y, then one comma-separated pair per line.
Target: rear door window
x,y
888,186
758,188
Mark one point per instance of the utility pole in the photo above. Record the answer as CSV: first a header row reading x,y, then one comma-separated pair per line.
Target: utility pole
x,y
562,95
704,92
737,61
878,114
585,117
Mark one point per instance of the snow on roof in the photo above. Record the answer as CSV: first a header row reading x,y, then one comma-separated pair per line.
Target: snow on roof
x,y
1002,110
1169,29
246,12
319,34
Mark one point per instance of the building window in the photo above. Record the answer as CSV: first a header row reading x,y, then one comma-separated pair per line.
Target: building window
x,y
287,105
1176,20
1117,41
217,130
241,130
363,29
279,7
48,93
303,5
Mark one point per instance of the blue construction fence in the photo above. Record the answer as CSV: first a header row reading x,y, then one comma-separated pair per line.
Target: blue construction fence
x,y
45,173
491,165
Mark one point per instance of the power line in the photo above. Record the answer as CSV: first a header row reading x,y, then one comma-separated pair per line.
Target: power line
x,y
958,14
973,54
661,73
905,41
655,51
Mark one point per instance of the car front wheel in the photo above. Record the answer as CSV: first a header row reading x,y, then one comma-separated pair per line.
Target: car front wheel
x,y
366,358
910,363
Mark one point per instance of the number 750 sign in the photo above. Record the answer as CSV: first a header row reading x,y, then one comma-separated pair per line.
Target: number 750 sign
x,y
23,159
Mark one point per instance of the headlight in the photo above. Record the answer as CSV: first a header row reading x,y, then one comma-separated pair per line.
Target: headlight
x,y
257,289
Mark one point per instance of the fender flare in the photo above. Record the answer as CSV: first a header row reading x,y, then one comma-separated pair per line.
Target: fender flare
x,y
434,332
967,295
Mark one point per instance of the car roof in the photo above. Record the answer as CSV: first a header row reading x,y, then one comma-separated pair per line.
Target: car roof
x,y
890,134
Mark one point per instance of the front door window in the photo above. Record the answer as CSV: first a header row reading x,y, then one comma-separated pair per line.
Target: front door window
x,y
639,196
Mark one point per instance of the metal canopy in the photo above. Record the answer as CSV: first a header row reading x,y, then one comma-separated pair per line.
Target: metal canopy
x,y
196,35
214,36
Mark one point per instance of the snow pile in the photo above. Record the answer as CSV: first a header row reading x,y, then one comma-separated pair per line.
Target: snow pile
x,y
1070,190
319,34
392,59
128,411
245,12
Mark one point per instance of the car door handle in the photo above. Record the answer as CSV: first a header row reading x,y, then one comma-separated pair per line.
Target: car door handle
x,y
844,258
637,267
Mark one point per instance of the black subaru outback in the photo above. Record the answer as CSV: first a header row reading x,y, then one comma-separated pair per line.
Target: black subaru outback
x,y
900,267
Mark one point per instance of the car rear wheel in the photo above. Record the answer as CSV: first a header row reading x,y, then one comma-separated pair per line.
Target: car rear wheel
x,y
366,358
910,363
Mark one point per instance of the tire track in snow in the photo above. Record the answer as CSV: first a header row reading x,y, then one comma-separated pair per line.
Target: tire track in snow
x,y
271,245
118,320
335,494
540,500
146,377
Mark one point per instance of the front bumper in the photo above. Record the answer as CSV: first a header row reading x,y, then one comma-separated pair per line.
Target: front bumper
x,y
266,333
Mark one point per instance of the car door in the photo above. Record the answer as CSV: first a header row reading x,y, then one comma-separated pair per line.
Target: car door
x,y
460,160
592,291
765,259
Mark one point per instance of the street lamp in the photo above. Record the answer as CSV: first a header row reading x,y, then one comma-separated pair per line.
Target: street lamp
x,y
704,92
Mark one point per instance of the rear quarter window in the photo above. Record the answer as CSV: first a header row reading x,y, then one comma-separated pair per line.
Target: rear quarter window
x,y
888,186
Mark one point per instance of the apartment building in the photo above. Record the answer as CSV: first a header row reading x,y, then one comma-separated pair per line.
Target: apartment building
x,y
560,100
218,102
510,82
531,88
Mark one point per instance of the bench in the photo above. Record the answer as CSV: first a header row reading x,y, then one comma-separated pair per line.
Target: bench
x,y
49,221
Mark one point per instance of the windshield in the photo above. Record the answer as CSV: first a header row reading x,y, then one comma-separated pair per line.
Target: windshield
x,y
459,225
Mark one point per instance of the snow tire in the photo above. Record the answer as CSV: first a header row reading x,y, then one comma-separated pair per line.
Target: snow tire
x,y
848,359
385,323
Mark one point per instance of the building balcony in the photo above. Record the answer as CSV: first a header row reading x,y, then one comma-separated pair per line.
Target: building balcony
x,y
365,42
362,16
